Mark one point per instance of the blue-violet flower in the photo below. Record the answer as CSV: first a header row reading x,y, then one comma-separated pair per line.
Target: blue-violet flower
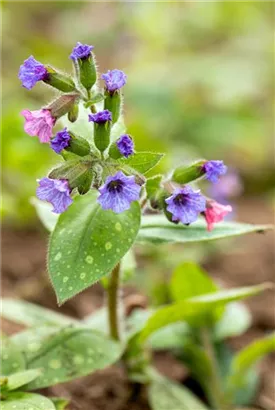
x,y
185,205
118,192
114,79
60,141
213,170
32,71
101,117
55,191
125,145
81,51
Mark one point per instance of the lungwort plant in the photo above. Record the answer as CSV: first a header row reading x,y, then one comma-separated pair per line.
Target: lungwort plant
x,y
98,203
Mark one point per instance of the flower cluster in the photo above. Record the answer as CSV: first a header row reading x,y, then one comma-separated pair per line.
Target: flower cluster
x,y
98,165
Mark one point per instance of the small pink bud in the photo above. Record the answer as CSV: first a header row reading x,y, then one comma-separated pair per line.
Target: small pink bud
x,y
39,123
215,212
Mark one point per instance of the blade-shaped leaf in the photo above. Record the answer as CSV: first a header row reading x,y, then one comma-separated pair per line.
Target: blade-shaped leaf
x,y
26,401
70,353
29,314
142,161
157,229
87,243
12,360
189,280
244,361
165,394
193,310
21,378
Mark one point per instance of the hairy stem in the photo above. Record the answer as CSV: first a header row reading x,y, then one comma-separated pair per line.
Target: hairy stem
x,y
215,392
112,293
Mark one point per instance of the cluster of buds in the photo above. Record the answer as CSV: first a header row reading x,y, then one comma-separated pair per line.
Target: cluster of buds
x,y
98,166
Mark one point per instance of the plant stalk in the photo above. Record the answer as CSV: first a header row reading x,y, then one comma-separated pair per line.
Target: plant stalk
x,y
113,302
215,392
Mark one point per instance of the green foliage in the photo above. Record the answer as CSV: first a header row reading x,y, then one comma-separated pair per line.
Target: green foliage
x,y
87,243
12,360
142,161
20,379
27,401
60,404
195,309
165,394
156,229
236,319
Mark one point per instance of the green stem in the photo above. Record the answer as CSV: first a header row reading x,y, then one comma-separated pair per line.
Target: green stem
x,y
215,391
112,292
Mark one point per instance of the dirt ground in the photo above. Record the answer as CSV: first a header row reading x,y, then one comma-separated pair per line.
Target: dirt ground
x,y
250,261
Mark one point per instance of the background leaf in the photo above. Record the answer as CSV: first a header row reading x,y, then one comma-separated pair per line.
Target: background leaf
x,y
26,401
235,320
157,229
19,379
165,394
193,310
70,353
87,243
27,313
189,280
142,161
60,403
12,360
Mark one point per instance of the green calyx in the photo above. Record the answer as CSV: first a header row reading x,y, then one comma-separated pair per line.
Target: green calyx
x,y
185,174
59,80
78,145
63,104
112,103
87,72
102,133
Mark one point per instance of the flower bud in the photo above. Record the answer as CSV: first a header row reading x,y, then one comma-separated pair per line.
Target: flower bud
x,y
185,174
62,105
82,56
73,113
114,151
58,80
102,129
114,81
66,140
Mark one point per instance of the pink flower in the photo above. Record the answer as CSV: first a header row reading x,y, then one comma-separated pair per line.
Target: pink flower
x,y
39,123
215,212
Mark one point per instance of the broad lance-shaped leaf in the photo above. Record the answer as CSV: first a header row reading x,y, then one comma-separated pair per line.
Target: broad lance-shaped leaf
x,y
142,161
165,394
12,359
26,313
87,243
157,229
26,401
194,310
245,359
19,379
70,353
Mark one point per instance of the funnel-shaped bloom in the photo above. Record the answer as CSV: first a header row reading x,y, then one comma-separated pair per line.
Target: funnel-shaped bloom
x,y
55,191
39,123
32,71
215,212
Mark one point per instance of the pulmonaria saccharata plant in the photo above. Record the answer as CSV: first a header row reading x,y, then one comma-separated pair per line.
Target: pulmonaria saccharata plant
x,y
106,164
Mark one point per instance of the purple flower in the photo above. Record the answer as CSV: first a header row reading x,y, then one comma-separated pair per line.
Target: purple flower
x,y
55,191
125,145
101,117
185,205
118,192
32,71
213,169
60,141
81,51
39,123
114,79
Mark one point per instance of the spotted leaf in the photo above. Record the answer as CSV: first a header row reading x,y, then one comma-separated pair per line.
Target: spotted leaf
x,y
26,401
87,243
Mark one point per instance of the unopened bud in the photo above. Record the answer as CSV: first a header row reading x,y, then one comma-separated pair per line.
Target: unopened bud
x,y
102,129
185,174
59,80
73,113
87,72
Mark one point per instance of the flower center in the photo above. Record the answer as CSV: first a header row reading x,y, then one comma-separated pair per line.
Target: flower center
x,y
115,186
180,199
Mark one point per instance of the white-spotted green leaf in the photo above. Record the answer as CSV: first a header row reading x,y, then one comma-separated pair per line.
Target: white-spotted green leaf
x,y
235,320
157,229
195,310
26,401
87,243
19,379
142,161
189,280
12,359
244,361
45,214
28,314
165,394
70,353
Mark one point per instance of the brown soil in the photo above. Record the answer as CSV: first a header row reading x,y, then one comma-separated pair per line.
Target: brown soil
x,y
248,262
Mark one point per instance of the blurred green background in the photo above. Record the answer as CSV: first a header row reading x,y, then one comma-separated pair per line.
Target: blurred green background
x,y
200,83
